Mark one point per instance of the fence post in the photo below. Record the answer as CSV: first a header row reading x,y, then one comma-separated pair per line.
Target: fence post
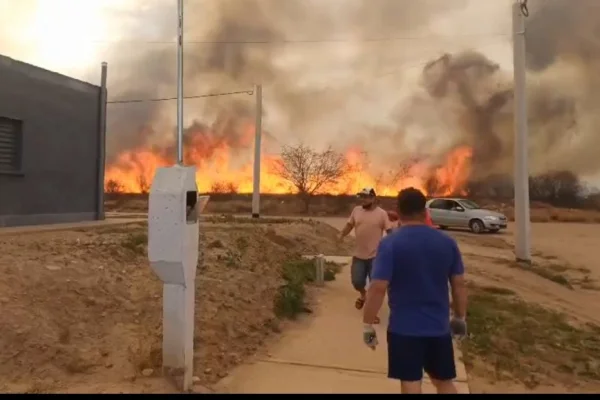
x,y
320,270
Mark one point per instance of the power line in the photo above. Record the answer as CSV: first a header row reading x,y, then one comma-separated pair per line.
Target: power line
x,y
249,92
302,41
360,40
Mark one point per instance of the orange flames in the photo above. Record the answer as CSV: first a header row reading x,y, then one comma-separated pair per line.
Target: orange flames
x,y
224,164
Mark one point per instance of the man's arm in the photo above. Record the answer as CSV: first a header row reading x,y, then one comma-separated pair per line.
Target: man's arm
x,y
381,276
346,231
348,227
388,226
458,285
375,296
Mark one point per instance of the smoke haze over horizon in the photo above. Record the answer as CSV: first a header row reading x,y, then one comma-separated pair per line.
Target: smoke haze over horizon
x,y
397,79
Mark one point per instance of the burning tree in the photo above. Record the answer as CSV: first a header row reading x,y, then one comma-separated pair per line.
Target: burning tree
x,y
223,188
310,171
143,183
113,186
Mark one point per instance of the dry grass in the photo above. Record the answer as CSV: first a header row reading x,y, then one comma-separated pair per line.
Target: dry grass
x,y
512,340
555,270
530,322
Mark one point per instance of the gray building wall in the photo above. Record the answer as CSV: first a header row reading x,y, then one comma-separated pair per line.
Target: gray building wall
x,y
58,180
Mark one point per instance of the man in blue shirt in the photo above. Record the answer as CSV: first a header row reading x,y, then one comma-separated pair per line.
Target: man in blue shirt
x,y
414,265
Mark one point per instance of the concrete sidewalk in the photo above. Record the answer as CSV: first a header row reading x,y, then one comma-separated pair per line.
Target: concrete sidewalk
x,y
325,354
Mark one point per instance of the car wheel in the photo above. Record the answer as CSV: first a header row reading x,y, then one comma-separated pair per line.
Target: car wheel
x,y
476,226
443,227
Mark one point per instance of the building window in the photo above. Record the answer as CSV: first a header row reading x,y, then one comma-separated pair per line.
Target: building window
x,y
11,145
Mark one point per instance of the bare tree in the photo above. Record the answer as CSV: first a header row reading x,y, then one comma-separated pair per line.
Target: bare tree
x,y
232,188
395,175
559,188
217,188
113,186
143,183
310,171
224,188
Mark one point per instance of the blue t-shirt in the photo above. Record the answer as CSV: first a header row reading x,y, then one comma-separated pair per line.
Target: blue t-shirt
x,y
418,261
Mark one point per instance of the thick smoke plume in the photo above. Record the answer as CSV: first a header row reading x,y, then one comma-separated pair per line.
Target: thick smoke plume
x,y
473,95
358,76
312,90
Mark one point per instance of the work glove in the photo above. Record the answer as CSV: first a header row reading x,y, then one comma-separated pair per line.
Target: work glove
x,y
370,336
458,327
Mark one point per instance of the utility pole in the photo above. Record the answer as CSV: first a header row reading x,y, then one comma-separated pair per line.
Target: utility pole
x,y
102,140
180,82
257,158
522,219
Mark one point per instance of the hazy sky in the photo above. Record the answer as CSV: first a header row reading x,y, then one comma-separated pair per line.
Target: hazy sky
x,y
74,36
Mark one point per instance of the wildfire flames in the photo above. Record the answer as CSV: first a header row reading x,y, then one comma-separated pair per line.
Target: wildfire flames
x,y
217,158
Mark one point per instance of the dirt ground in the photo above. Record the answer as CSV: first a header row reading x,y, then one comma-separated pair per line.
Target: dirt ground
x,y
537,328
534,329
81,309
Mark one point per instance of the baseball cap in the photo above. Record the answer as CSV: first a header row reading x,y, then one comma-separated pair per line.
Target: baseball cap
x,y
368,191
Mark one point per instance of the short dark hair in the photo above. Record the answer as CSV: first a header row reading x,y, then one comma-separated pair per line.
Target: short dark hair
x,y
411,202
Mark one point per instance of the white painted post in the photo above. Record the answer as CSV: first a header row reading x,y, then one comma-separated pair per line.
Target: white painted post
x,y
522,217
320,270
173,210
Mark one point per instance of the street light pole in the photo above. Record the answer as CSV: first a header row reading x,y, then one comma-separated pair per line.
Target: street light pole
x,y
521,150
180,82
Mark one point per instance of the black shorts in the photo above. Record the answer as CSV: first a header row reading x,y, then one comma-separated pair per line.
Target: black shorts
x,y
408,356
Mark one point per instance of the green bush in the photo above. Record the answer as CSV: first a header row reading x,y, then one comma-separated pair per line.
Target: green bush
x,y
301,271
290,299
296,273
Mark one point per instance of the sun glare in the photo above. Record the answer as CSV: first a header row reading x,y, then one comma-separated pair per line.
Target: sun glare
x,y
66,32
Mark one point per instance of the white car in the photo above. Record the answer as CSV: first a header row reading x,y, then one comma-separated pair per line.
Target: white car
x,y
462,213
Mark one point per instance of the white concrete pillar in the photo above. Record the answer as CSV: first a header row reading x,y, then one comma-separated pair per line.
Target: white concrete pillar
x,y
173,210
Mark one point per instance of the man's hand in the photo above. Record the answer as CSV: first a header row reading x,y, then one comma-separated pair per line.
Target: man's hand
x,y
370,336
458,327
346,231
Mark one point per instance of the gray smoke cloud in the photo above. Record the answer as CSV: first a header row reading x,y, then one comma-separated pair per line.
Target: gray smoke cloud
x,y
471,97
354,81
564,47
293,75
